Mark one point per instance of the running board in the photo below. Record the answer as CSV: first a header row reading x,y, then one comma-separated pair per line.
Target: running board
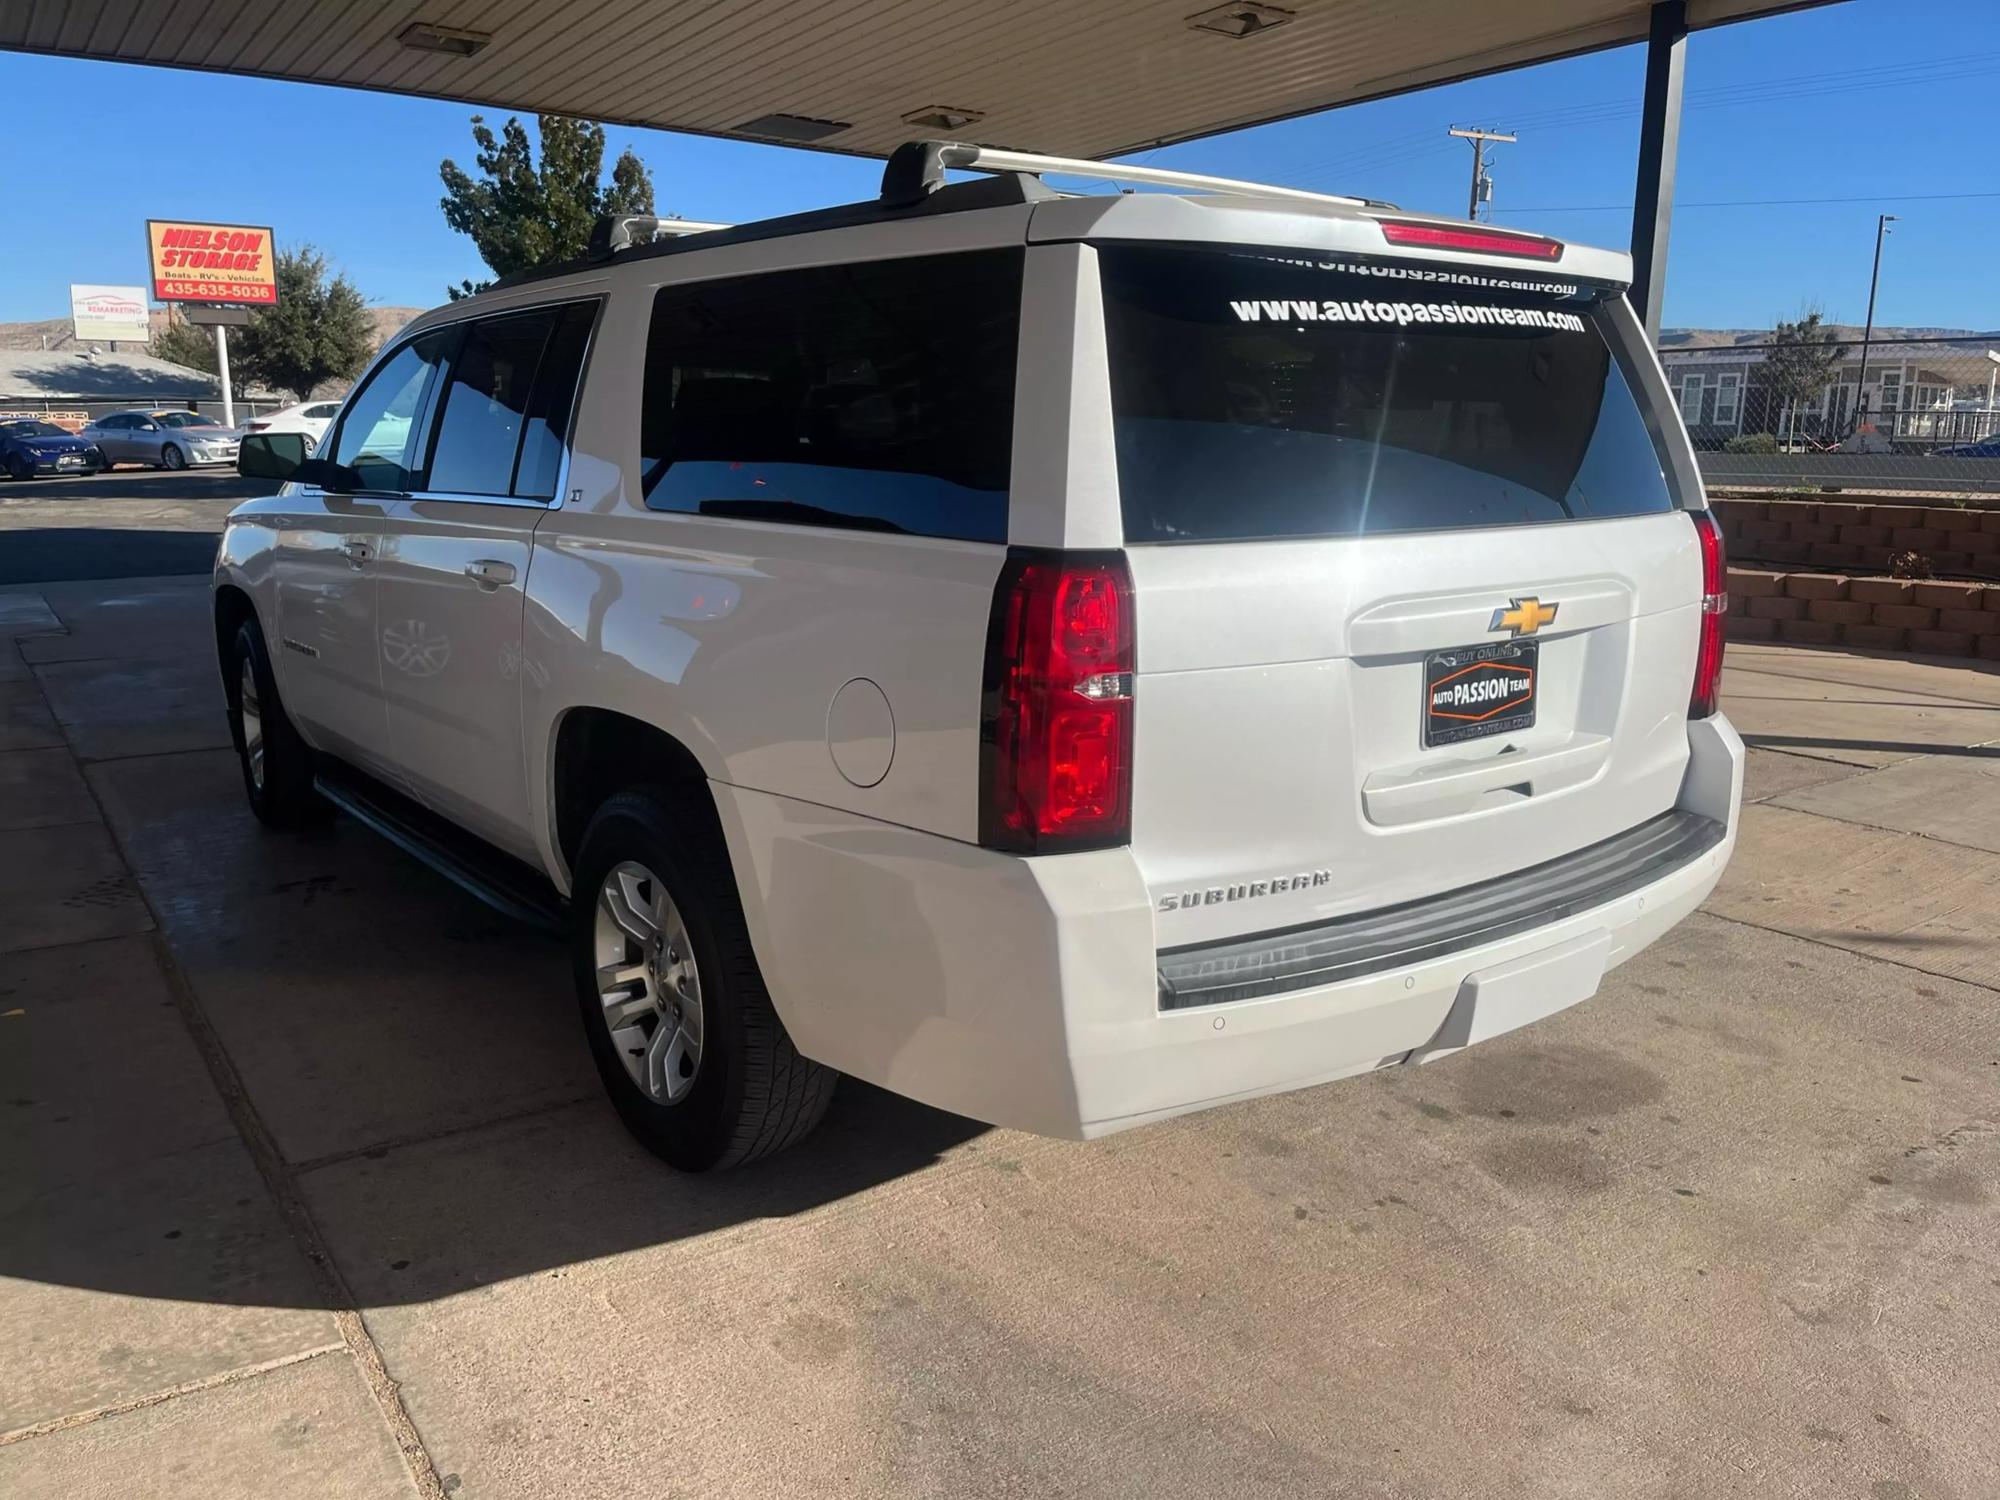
x,y
504,883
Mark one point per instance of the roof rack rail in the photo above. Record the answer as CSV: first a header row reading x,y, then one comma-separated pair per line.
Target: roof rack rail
x,y
916,169
619,232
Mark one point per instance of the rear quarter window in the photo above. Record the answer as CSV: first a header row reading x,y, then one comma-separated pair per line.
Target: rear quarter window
x,y
1261,394
875,396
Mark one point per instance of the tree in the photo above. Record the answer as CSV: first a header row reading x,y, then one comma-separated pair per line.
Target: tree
x,y
1801,360
318,331
181,343
521,216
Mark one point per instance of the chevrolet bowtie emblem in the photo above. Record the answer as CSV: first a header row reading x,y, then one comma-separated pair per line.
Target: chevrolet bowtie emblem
x,y
1525,618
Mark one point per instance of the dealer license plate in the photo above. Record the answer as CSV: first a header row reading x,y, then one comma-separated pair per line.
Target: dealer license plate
x,y
1473,691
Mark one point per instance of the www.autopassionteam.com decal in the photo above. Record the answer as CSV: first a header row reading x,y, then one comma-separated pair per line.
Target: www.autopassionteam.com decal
x,y
1296,310
1449,276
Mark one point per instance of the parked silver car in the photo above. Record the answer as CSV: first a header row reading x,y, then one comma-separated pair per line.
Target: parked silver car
x,y
165,439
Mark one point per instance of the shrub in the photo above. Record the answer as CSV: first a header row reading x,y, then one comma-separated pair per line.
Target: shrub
x,y
1751,442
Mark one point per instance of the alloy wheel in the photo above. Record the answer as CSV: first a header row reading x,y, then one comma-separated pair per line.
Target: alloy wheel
x,y
648,982
251,711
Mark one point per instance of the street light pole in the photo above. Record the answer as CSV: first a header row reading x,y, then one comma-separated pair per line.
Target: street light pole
x,y
1882,223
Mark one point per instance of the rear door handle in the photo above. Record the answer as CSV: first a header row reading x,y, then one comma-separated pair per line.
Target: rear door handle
x,y
490,573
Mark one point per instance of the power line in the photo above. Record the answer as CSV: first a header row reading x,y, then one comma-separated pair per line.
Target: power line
x,y
1765,203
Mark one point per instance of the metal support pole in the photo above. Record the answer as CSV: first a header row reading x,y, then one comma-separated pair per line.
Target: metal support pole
x,y
222,369
1659,150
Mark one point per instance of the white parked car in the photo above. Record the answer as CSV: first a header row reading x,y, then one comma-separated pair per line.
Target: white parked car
x,y
1070,660
309,417
162,438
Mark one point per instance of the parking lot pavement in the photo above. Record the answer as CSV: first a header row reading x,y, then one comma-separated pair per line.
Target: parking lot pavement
x,y
129,523
304,1177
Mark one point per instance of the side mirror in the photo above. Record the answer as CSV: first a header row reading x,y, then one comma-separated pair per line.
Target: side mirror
x,y
149,426
271,455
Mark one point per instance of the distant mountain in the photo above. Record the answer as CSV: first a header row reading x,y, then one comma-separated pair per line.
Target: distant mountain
x,y
56,331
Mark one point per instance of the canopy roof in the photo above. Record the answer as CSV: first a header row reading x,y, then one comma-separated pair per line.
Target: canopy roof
x,y
1080,77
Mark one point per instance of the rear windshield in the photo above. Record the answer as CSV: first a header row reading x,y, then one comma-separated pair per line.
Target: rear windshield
x,y
1264,393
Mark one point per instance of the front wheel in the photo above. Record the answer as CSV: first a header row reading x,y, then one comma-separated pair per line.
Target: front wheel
x,y
18,468
679,1022
276,763
171,457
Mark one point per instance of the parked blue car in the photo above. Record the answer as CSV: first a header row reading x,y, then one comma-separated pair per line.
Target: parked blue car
x,y
1987,448
30,447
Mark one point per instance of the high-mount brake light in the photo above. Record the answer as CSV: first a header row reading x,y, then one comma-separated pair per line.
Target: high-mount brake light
x,y
1476,240
1705,698
1056,730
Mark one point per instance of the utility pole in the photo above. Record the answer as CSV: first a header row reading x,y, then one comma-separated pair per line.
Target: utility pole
x,y
1882,223
1479,138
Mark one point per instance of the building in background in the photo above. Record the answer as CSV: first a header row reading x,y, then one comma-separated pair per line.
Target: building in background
x,y
1923,389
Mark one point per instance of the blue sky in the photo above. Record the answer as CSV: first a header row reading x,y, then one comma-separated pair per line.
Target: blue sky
x,y
1884,104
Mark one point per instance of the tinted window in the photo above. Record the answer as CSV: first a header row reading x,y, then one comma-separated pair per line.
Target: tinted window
x,y
876,396
1275,394
485,404
116,423
552,402
186,419
380,438
325,412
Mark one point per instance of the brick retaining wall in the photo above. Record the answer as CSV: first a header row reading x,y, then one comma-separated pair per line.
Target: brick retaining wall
x,y
1860,537
1878,614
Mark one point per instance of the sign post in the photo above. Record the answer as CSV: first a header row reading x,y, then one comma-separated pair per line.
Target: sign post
x,y
230,266
222,370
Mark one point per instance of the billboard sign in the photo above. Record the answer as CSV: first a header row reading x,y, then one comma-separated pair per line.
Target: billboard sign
x,y
196,261
109,312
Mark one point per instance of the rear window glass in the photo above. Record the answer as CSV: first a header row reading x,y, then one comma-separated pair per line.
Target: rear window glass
x,y
1262,394
876,397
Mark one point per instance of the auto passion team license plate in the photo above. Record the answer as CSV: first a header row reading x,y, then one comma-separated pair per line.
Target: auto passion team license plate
x,y
1473,691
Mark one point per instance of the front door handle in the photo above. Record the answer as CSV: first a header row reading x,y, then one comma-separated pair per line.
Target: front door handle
x,y
355,552
490,573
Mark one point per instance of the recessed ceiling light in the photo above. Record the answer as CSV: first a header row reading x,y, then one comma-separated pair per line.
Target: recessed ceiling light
x,y
943,117
1240,20
802,129
425,37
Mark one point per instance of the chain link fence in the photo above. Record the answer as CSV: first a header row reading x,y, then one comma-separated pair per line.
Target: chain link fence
x,y
1900,414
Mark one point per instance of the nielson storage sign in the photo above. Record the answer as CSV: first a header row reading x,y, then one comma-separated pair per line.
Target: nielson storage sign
x,y
195,261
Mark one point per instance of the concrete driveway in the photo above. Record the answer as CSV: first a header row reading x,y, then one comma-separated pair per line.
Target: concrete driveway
x,y
307,1187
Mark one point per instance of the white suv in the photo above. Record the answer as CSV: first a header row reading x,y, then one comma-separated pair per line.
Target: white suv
x,y
1068,659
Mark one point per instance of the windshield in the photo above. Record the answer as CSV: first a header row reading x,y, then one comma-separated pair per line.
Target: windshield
x,y
32,429
185,419
1262,393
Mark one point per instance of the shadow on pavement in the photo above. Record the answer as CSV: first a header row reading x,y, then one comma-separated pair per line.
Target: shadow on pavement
x,y
56,553
1905,747
416,1060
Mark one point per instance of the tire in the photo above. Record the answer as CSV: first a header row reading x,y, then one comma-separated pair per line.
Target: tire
x,y
171,457
745,1090
17,468
279,785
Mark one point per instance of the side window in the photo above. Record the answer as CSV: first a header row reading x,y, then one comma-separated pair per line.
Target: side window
x,y
877,396
553,403
326,411
485,404
381,438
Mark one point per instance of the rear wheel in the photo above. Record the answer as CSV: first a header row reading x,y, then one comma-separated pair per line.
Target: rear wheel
x,y
276,763
171,457
679,1022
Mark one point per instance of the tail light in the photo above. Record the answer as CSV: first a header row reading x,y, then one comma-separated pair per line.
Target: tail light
x,y
1477,239
1714,606
1056,724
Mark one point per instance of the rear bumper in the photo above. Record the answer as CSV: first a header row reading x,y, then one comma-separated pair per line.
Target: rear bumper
x,y
1027,992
